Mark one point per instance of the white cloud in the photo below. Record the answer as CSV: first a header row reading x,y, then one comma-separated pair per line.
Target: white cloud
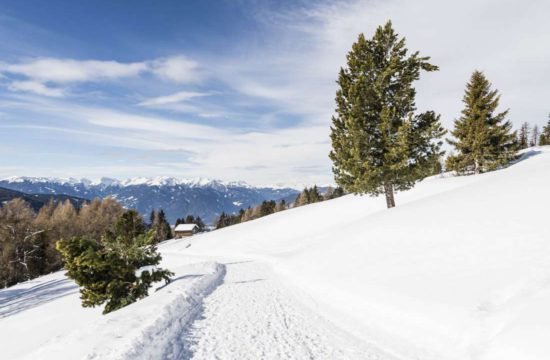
x,y
179,69
41,72
36,88
258,157
69,70
178,97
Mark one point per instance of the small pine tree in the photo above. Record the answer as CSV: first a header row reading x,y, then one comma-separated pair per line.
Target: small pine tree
x,y
267,208
107,271
523,136
378,144
222,221
339,191
152,217
484,140
129,226
160,226
314,195
281,206
544,138
190,219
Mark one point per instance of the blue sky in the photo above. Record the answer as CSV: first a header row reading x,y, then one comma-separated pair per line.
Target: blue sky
x,y
234,90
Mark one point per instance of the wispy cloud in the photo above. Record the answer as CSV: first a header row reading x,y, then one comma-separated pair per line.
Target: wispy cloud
x,y
296,71
179,69
178,97
36,88
38,74
64,71
210,150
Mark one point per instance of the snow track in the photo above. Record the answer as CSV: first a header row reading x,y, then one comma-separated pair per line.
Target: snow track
x,y
252,315
163,339
152,328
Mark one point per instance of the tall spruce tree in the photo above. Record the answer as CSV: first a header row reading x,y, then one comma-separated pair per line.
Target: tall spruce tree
x,y
379,144
484,140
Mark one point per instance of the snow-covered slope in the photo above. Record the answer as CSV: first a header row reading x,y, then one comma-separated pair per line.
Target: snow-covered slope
x,y
459,270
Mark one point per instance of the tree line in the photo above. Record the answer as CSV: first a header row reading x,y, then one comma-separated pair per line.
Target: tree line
x,y
267,207
28,238
529,136
544,138
381,144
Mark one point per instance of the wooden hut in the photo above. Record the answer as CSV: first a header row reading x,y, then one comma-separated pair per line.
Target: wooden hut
x,y
184,230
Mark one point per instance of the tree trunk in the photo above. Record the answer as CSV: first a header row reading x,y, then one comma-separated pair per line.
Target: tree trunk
x,y
390,201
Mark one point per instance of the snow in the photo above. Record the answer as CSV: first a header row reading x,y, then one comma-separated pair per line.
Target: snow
x,y
460,269
136,181
105,181
272,325
36,180
301,185
46,313
185,227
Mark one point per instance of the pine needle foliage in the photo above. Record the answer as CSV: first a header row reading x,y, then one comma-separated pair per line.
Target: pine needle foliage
x,y
482,137
111,271
544,138
379,144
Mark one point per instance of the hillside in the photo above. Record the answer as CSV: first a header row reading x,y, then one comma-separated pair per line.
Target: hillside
x,y
177,197
36,201
458,270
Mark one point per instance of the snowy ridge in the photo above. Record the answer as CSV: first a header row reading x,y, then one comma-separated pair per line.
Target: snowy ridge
x,y
159,181
156,181
202,197
37,180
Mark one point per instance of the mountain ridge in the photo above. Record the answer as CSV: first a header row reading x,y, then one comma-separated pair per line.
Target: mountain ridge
x,y
202,197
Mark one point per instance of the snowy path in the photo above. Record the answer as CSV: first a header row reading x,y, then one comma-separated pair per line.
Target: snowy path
x,y
252,315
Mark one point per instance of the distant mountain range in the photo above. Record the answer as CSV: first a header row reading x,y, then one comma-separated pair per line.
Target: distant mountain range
x,y
36,201
177,197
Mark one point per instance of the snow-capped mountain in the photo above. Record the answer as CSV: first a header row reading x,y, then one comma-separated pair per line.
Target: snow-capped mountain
x,y
202,197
